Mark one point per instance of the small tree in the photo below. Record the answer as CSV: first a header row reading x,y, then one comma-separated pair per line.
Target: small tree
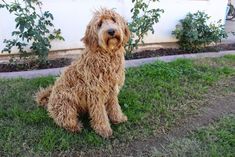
x,y
194,32
33,29
143,20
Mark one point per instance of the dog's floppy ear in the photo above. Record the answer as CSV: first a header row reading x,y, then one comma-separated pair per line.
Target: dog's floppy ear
x,y
90,39
127,33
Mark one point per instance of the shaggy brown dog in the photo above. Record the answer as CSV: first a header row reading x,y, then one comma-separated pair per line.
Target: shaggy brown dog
x,y
92,83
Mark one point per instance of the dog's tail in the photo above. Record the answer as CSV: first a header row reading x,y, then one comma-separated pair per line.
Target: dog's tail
x,y
42,96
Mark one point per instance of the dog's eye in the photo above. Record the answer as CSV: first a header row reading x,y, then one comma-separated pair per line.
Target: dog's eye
x,y
114,20
100,24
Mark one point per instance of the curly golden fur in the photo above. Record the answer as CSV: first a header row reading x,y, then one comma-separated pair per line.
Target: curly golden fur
x,y
91,84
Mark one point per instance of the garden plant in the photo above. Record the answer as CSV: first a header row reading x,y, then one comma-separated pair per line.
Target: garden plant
x,y
143,20
195,32
34,30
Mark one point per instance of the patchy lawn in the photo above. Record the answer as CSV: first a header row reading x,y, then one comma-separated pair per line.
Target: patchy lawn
x,y
215,140
154,98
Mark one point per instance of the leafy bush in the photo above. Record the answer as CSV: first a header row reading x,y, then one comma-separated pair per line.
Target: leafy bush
x,y
32,29
143,20
194,32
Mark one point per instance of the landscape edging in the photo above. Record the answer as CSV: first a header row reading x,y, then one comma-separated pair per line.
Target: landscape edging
x,y
129,63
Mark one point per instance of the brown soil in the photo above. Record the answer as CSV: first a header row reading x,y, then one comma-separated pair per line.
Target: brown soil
x,y
175,51
62,62
216,105
32,65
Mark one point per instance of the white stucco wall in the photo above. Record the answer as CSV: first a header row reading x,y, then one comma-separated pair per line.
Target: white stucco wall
x,y
72,17
233,2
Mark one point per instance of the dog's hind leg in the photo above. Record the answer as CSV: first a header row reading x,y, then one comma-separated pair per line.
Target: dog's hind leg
x,y
62,109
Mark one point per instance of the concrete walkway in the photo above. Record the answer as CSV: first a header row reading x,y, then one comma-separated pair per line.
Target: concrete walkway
x,y
129,63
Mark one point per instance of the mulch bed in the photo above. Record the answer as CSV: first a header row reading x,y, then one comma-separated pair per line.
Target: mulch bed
x,y
62,62
55,63
175,51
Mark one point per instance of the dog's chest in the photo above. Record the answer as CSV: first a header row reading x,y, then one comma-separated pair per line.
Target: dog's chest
x,y
114,68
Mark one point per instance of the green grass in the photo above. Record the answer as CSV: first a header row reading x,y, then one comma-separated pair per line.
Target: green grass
x,y
154,96
215,140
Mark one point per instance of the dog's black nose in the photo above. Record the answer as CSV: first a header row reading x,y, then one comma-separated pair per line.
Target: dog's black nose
x,y
111,32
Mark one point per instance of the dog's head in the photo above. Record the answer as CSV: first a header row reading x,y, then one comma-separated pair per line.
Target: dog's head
x,y
107,30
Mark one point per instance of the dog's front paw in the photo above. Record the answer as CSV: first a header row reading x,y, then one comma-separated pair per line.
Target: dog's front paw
x,y
104,131
118,119
76,128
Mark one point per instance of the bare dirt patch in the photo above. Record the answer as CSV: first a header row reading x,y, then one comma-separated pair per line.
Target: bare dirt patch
x,y
219,102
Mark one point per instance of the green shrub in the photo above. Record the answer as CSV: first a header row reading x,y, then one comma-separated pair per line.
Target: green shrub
x,y
32,29
143,20
195,33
